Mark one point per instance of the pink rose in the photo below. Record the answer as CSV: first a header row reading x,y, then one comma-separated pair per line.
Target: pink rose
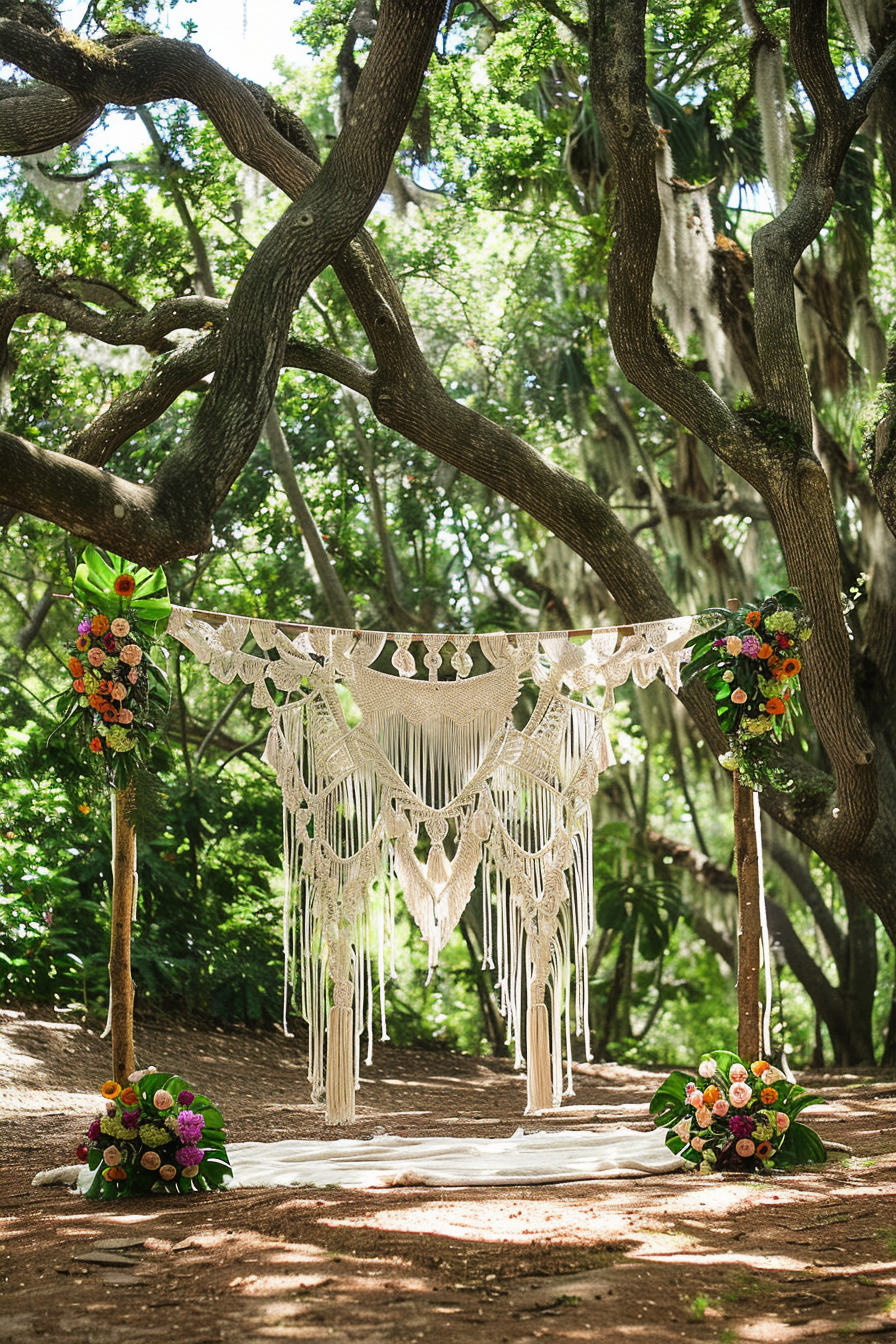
x,y
707,1068
162,1100
168,1172
737,1073
720,1107
695,1098
703,1117
120,627
783,1122
112,1155
190,1172
697,1144
739,1094
151,1161
96,657
745,1148
739,697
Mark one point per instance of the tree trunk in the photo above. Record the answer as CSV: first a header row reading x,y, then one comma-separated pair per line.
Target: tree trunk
x,y
749,932
121,986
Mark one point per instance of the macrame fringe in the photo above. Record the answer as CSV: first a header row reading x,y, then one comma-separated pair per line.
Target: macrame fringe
x,y
340,1067
539,1085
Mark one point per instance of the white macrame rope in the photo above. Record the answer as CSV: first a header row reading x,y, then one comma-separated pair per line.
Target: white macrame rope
x,y
436,761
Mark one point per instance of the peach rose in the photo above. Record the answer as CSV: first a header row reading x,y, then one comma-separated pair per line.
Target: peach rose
x,y
707,1068
745,1148
132,654
739,1094
112,1156
120,627
720,1107
151,1161
168,1172
733,645
95,657
739,697
190,1172
737,1073
703,1117
783,1122
695,1098
162,1100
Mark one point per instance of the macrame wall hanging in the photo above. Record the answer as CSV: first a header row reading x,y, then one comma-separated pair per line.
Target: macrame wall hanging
x,y
436,763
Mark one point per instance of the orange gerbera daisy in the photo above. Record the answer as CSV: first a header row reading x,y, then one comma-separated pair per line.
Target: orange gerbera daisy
x,y
129,1097
763,1150
110,1090
124,585
791,666
82,643
765,651
774,706
753,618
100,624
768,1096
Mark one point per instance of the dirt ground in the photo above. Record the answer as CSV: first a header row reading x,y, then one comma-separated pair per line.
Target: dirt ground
x,y
792,1257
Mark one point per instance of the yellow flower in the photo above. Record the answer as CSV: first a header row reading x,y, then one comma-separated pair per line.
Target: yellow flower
x,y
82,807
110,1090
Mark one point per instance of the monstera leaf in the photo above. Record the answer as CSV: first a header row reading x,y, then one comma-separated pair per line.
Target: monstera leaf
x,y
95,584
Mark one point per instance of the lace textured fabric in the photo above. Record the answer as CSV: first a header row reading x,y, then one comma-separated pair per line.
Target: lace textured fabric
x,y
421,787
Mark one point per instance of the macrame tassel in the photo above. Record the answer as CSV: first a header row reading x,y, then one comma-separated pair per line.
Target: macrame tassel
x,y
438,870
480,824
340,1067
538,1058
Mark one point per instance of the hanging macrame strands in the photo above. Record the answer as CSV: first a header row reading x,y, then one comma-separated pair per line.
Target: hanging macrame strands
x,y
424,787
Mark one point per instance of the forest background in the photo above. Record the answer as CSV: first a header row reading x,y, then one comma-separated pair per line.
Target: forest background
x,y
506,207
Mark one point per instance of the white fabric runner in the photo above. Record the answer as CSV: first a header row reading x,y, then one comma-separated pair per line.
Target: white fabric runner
x,y
523,1159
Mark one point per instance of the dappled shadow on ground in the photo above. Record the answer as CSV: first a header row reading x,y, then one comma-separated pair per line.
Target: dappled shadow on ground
x,y
660,1259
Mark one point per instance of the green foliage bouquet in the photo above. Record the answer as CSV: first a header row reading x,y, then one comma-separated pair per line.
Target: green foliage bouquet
x,y
118,696
736,1117
156,1135
752,666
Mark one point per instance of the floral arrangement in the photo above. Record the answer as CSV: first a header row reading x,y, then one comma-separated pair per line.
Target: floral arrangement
x,y
117,696
156,1135
752,666
736,1117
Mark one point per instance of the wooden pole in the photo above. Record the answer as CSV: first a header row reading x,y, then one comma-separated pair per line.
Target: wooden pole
x,y
121,986
749,932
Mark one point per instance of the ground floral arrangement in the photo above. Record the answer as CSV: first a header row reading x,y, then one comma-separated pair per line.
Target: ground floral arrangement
x,y
118,696
736,1117
157,1135
752,666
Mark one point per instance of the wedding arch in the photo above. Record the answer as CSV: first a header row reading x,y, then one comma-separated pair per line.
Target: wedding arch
x,y
436,761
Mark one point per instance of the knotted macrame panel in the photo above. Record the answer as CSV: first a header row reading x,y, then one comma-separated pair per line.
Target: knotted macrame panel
x,y
427,785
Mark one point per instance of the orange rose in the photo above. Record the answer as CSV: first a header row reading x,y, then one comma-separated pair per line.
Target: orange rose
x,y
78,685
129,1097
765,651
110,1090
774,706
791,666
710,1095
753,618
768,1096
124,585
759,1067
100,624
76,667
96,745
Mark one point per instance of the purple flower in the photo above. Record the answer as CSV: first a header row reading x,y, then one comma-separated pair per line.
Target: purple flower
x,y
184,1098
94,1131
130,1119
741,1126
751,646
189,1156
84,626
190,1126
